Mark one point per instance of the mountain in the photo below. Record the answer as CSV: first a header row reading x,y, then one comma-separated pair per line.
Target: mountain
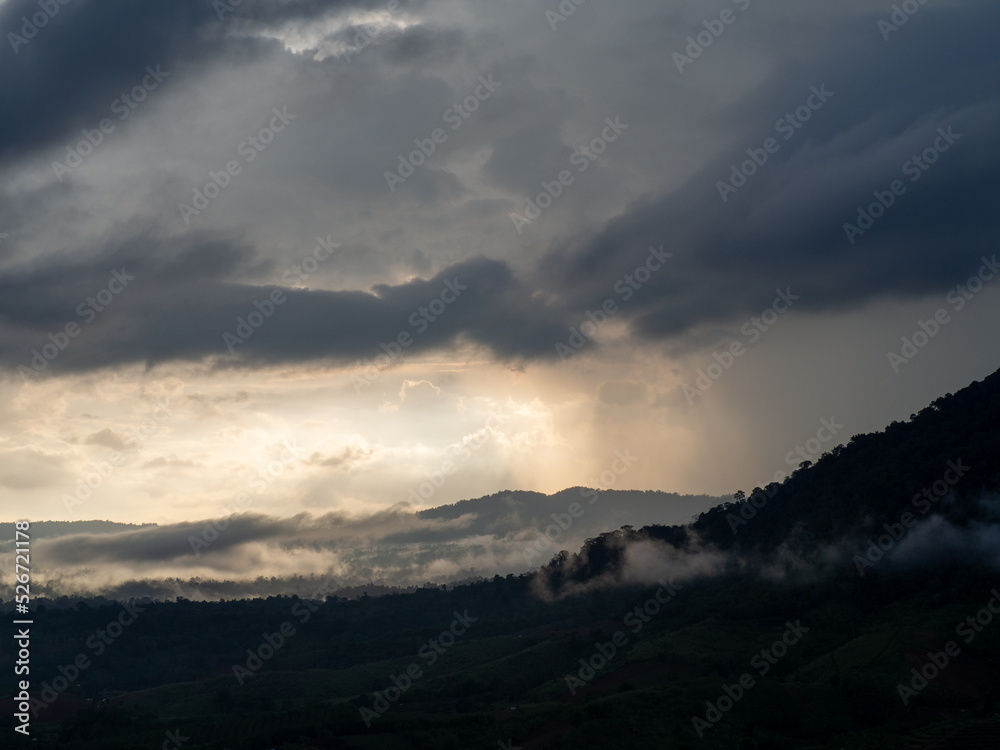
x,y
764,635
507,532
950,449
916,494
507,511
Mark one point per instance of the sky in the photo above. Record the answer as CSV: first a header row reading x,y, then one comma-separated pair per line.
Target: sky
x,y
320,257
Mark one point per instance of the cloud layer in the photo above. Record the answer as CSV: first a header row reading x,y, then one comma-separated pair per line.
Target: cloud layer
x,y
883,103
506,533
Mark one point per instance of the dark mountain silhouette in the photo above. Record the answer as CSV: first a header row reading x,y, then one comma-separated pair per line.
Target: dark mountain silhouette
x,y
500,512
941,467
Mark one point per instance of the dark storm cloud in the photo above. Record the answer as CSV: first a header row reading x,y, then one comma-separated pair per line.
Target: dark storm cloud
x,y
180,302
67,75
158,543
784,228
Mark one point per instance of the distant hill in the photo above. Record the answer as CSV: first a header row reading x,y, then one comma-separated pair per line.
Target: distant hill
x,y
500,512
51,529
508,532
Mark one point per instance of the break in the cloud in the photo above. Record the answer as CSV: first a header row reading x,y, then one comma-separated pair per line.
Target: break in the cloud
x,y
205,259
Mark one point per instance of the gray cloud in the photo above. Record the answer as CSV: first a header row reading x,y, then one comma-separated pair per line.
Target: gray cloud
x,y
89,53
784,227
109,439
181,301
782,230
